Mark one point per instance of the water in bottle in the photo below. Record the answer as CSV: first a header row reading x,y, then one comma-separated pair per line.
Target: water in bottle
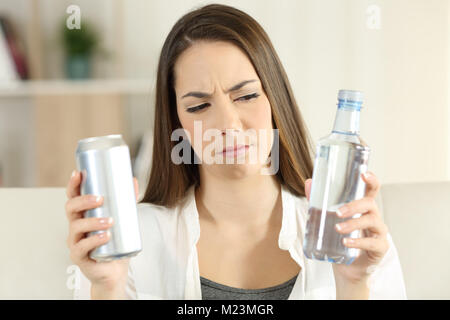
x,y
341,158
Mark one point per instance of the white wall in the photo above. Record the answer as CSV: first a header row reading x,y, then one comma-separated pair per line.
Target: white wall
x,y
448,90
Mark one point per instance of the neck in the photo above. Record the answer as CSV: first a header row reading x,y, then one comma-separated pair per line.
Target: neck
x,y
346,121
250,202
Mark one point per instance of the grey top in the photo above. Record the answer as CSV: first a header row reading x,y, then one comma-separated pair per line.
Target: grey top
x,y
215,291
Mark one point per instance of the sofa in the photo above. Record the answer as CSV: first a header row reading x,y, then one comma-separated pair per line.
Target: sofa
x,y
35,261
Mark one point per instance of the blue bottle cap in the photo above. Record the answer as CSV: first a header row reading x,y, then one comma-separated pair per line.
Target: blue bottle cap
x,y
350,95
350,99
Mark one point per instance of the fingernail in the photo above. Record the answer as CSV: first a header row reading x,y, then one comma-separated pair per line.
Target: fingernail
x,y
348,241
98,199
340,226
104,234
341,211
73,173
105,220
366,175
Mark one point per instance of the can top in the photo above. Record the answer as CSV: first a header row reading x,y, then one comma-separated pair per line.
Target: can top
x,y
102,142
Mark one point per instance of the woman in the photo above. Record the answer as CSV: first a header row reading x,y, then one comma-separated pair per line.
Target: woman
x,y
226,231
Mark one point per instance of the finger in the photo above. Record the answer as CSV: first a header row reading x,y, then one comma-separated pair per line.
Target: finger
x,y
364,205
73,186
371,222
80,227
83,247
308,188
372,184
82,203
369,244
136,187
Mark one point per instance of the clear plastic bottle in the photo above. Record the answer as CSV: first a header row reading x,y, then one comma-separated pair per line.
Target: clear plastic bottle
x,y
341,158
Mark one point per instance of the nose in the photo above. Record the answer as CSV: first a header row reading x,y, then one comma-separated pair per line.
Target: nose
x,y
228,119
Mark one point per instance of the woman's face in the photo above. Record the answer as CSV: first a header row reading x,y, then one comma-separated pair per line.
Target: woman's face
x,y
217,87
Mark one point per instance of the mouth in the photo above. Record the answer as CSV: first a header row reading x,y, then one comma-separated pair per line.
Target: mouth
x,y
233,151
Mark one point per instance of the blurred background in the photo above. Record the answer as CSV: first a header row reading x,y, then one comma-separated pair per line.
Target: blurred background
x,y
58,85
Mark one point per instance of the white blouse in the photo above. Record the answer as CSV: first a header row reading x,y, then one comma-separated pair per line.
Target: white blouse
x,y
167,267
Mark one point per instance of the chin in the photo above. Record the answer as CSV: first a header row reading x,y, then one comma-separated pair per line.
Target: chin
x,y
239,171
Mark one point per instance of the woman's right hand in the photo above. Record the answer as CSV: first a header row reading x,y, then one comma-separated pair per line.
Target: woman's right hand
x,y
109,275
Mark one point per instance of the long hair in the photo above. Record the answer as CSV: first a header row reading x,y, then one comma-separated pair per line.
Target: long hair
x,y
168,182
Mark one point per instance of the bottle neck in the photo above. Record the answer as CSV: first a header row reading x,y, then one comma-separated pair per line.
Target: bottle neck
x,y
346,121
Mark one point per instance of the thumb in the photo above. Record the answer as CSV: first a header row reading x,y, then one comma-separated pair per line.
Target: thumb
x,y
308,188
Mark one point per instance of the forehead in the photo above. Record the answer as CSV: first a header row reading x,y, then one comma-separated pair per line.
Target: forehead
x,y
207,62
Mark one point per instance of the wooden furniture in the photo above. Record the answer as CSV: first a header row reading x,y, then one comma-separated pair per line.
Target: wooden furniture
x,y
61,112
61,120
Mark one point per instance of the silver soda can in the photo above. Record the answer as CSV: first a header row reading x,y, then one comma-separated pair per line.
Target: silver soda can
x,y
105,166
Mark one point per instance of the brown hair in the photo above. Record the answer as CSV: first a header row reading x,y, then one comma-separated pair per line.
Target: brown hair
x,y
169,182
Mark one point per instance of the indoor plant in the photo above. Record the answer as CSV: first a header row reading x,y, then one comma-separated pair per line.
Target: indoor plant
x,y
79,45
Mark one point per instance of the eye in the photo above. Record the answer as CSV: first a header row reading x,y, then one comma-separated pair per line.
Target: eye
x,y
244,98
248,97
194,109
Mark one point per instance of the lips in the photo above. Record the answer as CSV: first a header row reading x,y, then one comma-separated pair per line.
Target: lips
x,y
235,148
235,151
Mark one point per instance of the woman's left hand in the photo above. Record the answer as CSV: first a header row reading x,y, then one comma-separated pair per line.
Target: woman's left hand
x,y
373,242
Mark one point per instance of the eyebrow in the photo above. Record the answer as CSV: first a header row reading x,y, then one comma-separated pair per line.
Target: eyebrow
x,y
236,87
